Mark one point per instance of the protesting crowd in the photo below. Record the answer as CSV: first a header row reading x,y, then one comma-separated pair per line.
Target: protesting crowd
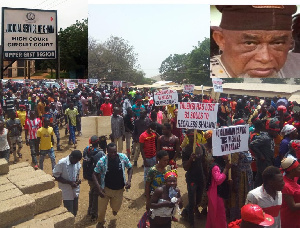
x,y
257,187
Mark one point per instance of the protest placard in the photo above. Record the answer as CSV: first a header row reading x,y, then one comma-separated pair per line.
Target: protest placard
x,y
195,115
188,88
117,83
93,81
217,84
165,97
82,81
71,85
228,140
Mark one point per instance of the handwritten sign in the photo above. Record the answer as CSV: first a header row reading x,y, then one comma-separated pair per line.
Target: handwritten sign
x,y
117,83
230,140
71,85
82,81
217,84
93,81
195,115
165,97
188,88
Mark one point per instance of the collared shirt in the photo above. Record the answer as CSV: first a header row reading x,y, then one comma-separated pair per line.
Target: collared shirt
x,y
102,165
117,126
270,205
126,105
70,172
55,116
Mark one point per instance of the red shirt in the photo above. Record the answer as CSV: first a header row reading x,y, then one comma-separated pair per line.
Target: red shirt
x,y
149,144
107,109
32,126
290,218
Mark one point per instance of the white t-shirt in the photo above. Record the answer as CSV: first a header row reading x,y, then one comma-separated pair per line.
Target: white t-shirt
x,y
3,141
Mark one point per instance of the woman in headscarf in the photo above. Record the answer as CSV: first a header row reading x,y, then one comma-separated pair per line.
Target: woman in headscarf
x,y
290,208
164,201
289,133
217,190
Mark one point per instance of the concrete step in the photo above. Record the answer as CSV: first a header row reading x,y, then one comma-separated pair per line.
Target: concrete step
x,y
47,200
25,176
7,187
9,194
16,210
61,217
4,169
19,165
21,170
36,223
37,184
4,180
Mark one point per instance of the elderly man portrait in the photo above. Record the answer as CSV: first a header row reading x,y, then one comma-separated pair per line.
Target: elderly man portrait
x,y
255,41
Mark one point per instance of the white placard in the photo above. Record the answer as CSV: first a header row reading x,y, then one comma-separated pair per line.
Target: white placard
x,y
117,83
217,84
29,33
93,81
165,97
230,140
195,115
82,81
71,85
188,88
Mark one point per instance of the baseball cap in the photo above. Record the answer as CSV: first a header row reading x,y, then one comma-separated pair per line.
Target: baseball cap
x,y
255,214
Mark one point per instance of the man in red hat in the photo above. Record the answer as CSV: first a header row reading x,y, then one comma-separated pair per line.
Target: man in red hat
x,y
252,217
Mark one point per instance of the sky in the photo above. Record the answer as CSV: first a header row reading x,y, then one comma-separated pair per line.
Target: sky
x,y
68,11
154,30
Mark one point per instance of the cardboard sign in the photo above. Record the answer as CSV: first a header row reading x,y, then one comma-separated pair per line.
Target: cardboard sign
x,y
165,97
230,140
117,83
189,88
82,81
71,85
195,115
93,81
217,84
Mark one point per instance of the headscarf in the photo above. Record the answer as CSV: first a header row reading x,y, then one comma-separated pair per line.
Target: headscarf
x,y
170,173
287,129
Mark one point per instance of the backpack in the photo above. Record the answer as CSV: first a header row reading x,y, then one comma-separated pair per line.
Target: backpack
x,y
90,158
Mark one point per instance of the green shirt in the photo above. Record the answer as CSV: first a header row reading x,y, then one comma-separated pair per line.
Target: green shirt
x,y
72,115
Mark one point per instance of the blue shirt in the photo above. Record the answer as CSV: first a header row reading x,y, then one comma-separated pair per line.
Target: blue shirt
x,y
102,165
137,109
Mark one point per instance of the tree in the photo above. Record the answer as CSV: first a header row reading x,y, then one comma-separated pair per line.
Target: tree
x,y
73,43
274,80
188,68
114,59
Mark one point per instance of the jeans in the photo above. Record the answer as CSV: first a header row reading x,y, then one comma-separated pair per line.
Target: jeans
x,y
5,154
151,162
51,154
34,147
71,205
93,199
56,132
72,130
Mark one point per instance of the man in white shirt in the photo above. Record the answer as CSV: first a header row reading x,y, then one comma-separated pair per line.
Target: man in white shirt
x,y
268,196
66,172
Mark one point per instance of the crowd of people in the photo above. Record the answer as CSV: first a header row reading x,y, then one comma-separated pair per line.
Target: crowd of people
x,y
254,188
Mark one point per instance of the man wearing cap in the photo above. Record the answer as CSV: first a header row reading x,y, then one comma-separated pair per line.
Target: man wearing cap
x,y
268,196
254,40
66,172
253,216
291,194
263,148
290,133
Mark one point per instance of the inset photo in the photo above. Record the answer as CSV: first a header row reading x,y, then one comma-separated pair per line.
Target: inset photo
x,y
255,41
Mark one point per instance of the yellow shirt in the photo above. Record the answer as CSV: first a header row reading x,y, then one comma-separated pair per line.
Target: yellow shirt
x,y
22,117
171,109
72,115
45,135
199,139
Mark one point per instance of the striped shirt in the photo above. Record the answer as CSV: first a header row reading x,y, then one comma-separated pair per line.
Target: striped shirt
x,y
32,126
149,144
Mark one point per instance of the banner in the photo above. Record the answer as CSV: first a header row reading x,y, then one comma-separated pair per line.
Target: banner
x,y
165,97
82,81
195,115
117,83
217,84
29,33
71,85
189,88
229,140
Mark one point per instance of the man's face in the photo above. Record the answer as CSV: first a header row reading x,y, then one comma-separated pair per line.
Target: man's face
x,y
277,183
112,152
254,53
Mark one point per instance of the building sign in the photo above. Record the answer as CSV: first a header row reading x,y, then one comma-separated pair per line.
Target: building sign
x,y
29,33
188,88
195,115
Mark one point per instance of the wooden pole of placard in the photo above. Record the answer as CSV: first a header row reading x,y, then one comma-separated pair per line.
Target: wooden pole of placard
x,y
194,144
229,171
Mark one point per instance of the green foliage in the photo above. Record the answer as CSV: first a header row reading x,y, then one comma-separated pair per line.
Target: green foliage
x,y
297,81
188,68
114,60
73,43
233,80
